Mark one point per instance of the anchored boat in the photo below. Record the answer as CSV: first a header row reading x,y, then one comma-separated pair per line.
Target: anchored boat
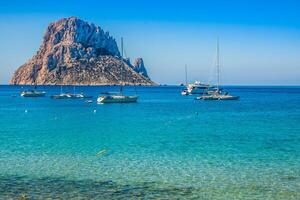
x,y
61,95
33,93
118,98
197,87
185,91
215,93
70,95
193,88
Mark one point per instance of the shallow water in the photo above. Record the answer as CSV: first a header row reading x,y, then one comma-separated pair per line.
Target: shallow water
x,y
165,146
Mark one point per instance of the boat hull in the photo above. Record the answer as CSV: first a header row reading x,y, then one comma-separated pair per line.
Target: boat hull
x,y
59,97
198,90
71,96
117,99
184,93
33,94
216,97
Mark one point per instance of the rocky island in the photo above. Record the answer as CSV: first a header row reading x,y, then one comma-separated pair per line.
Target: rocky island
x,y
75,52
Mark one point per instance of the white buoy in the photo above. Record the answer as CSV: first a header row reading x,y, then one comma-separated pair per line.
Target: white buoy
x,y
95,111
26,111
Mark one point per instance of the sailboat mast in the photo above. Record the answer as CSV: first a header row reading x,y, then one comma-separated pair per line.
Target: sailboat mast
x,y
218,64
122,50
186,79
74,81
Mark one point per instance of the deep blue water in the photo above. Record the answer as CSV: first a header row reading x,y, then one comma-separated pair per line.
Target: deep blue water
x,y
165,146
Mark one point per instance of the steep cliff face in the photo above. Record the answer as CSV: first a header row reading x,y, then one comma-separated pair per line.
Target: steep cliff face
x,y
139,67
77,52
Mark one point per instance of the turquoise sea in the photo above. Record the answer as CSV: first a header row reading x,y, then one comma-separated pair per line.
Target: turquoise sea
x,y
166,146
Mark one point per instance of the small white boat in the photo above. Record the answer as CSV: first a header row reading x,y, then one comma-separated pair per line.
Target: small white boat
x,y
33,93
117,99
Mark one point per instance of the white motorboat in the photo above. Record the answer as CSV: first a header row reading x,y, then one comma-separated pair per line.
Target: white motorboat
x,y
197,87
193,88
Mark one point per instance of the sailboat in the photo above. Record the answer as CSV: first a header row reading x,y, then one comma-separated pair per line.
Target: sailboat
x,y
185,91
73,95
61,95
70,95
34,92
79,95
216,93
118,98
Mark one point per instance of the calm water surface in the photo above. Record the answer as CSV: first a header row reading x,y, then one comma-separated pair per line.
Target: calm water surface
x,y
165,146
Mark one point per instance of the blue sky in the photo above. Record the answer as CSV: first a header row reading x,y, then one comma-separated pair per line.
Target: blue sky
x,y
260,40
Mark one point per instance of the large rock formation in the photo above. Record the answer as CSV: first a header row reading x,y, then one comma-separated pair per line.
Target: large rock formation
x,y
77,52
139,67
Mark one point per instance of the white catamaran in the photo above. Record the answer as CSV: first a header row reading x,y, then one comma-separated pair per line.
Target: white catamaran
x,y
118,98
216,93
